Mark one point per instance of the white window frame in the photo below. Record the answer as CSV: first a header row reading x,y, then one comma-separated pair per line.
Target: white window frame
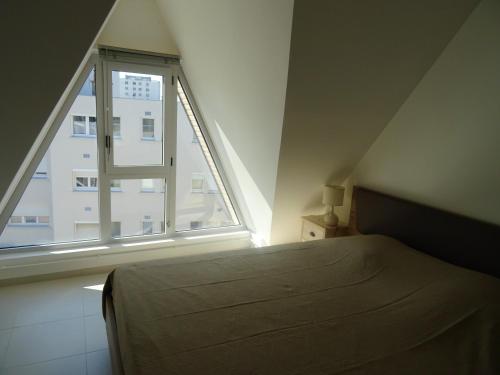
x,y
144,138
113,127
24,222
87,126
83,222
147,189
164,171
88,174
148,221
199,177
106,171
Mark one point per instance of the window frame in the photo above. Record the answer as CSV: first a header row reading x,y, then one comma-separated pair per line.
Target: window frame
x,y
85,126
116,136
146,138
87,174
110,64
199,177
102,64
164,171
25,223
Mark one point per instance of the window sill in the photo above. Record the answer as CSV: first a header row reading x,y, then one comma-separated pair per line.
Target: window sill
x,y
28,225
149,139
90,255
85,189
83,136
116,190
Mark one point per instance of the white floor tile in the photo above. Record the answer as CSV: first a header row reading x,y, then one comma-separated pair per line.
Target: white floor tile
x,y
4,342
43,342
65,366
54,300
92,302
95,332
8,307
99,363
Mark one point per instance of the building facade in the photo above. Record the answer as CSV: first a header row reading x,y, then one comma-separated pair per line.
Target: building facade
x,y
61,202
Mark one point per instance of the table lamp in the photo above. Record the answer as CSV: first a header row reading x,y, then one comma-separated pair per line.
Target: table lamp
x,y
333,195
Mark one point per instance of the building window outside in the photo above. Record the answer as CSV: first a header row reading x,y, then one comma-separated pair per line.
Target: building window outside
x,y
195,138
29,220
92,125
79,126
117,131
43,220
116,185
196,224
84,126
85,183
148,128
40,174
84,230
197,182
147,227
147,185
116,228
65,155
16,219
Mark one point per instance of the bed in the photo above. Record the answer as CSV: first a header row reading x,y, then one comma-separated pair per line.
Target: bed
x,y
363,304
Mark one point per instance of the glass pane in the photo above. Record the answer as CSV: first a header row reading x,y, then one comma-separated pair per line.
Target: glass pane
x,y
137,119
79,127
136,210
116,127
92,125
60,203
201,199
116,230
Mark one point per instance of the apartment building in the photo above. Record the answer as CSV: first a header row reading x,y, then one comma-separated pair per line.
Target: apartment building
x,y
61,202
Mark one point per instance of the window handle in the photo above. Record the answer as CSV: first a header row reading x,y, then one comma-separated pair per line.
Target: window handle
x,y
108,143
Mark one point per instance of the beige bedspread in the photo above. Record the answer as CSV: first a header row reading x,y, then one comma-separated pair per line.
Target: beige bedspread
x,y
352,305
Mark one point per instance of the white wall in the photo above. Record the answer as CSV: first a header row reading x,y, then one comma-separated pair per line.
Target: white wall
x,y
235,55
44,43
137,25
352,65
443,146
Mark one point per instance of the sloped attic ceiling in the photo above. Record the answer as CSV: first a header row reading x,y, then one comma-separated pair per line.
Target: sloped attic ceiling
x,y
44,43
137,25
352,65
235,56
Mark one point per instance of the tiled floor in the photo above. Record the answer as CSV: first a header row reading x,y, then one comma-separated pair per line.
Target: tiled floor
x,y
53,328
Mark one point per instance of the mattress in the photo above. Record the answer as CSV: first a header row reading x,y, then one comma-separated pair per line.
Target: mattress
x,y
350,305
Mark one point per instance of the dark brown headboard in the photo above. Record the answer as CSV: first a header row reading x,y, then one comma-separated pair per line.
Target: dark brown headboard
x,y
453,238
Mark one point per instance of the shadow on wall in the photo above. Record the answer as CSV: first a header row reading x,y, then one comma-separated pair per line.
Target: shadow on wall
x,y
255,208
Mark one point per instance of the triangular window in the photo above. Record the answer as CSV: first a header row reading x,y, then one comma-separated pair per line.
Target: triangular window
x,y
129,135
201,197
60,203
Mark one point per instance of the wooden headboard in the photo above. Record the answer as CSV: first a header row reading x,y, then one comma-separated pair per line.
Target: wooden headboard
x,y
453,238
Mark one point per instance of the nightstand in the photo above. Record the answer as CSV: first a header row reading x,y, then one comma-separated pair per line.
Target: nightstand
x,y
314,228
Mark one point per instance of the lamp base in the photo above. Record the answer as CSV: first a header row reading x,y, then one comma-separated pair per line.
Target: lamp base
x,y
331,219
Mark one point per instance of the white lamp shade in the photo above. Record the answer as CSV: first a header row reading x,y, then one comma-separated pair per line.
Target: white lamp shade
x,y
333,195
